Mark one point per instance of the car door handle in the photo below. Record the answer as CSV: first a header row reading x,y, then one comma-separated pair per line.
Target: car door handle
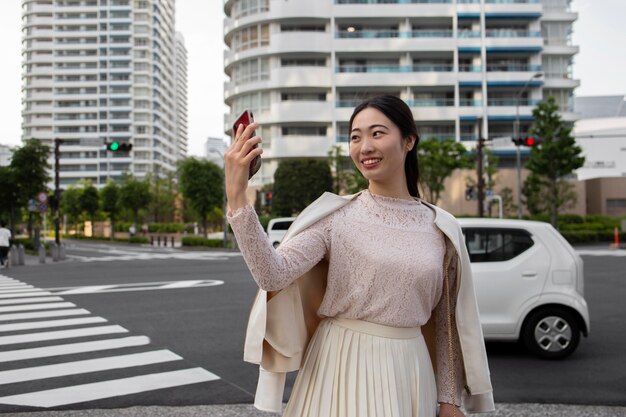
x,y
529,274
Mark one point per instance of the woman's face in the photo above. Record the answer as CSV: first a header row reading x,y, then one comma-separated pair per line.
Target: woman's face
x,y
378,148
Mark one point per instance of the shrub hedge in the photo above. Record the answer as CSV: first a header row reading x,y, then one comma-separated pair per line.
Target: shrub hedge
x,y
200,241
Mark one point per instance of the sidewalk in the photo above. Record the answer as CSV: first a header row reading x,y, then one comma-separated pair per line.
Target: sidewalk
x,y
245,410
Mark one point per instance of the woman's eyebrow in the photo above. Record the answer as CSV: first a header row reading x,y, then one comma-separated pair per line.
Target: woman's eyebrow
x,y
371,127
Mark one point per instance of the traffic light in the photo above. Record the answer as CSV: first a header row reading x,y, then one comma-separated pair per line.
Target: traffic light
x,y
528,141
119,146
268,198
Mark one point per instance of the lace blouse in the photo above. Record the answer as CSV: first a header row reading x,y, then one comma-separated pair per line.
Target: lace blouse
x,y
386,266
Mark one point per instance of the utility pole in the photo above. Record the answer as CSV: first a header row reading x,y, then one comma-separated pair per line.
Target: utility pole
x,y
57,191
481,181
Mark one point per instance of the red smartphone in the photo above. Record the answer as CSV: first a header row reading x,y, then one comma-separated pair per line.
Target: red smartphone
x,y
246,119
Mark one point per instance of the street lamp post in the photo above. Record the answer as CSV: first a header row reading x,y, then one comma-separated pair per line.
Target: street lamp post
x,y
224,200
517,144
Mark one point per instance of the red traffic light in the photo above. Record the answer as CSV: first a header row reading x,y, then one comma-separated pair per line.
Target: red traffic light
x,y
527,141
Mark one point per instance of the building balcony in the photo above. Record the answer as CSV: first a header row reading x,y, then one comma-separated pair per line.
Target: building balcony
x,y
400,44
564,83
393,1
299,146
283,77
512,102
380,9
385,34
559,15
347,76
283,43
559,47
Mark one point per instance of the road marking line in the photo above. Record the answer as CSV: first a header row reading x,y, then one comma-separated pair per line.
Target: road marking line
x,y
60,334
30,300
107,389
50,323
139,286
38,315
14,286
71,348
37,307
25,294
181,284
87,366
88,289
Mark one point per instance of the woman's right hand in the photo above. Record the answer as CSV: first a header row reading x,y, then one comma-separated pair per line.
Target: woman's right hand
x,y
237,161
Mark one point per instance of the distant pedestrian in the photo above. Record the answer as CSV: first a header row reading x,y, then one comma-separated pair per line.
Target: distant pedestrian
x,y
5,235
132,230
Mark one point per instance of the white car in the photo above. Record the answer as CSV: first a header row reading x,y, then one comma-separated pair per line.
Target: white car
x,y
277,228
529,284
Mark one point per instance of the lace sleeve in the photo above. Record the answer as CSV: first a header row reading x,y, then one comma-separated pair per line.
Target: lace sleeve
x,y
274,269
448,375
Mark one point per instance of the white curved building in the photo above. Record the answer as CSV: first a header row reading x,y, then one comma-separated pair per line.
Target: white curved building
x,y
103,70
301,66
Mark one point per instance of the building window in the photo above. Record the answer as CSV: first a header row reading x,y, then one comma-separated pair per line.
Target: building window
x,y
303,97
251,70
302,62
616,203
251,37
243,8
255,102
304,131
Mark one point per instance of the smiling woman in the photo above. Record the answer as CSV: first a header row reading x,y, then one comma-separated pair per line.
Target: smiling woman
x,y
344,298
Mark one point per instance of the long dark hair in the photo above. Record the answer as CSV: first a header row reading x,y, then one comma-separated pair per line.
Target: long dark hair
x,y
400,114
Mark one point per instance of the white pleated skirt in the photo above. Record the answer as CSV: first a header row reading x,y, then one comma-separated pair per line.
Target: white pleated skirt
x,y
354,368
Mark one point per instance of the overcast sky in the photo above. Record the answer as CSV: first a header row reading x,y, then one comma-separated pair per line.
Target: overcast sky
x,y
600,32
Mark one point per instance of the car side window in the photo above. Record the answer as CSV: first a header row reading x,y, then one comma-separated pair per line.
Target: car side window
x,y
281,225
496,245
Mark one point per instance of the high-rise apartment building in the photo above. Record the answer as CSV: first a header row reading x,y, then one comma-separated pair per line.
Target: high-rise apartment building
x,y
467,68
98,71
181,95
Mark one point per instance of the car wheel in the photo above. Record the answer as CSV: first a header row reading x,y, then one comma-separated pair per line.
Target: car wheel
x,y
551,333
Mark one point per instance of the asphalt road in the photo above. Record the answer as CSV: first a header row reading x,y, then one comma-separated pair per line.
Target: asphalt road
x,y
203,321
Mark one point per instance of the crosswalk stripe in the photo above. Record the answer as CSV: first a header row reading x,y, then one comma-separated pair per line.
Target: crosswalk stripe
x,y
14,286
26,294
60,334
106,389
50,323
86,366
17,289
30,300
27,307
59,350
40,314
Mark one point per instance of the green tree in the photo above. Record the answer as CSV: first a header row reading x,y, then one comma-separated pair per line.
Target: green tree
x,y
556,157
30,167
437,161
8,196
89,201
346,176
134,195
202,186
70,205
110,199
298,182
163,203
